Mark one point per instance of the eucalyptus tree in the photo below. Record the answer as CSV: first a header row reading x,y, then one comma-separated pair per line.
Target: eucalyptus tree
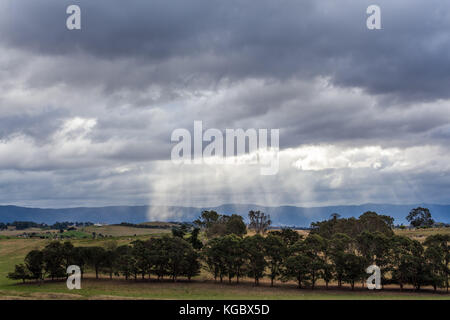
x,y
276,251
254,251
438,253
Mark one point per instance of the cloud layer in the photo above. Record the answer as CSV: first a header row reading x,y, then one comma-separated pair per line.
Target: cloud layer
x,y
86,116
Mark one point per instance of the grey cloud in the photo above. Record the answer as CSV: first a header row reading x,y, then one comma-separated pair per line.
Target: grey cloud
x,y
145,68
39,126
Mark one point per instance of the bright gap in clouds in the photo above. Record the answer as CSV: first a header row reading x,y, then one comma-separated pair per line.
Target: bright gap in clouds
x,y
313,175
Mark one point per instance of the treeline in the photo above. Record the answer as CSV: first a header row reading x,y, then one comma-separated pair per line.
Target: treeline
x,y
22,225
335,251
283,255
164,257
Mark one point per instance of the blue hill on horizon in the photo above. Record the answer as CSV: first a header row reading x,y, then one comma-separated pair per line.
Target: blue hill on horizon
x,y
280,215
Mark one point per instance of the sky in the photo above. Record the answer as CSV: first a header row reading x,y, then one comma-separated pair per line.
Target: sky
x,y
86,115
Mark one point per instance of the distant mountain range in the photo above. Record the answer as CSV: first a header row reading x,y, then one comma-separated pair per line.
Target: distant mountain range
x,y
281,216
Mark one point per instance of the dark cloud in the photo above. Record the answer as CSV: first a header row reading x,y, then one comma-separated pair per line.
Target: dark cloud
x,y
275,39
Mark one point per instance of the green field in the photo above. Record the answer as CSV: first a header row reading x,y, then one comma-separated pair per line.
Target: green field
x,y
13,251
87,232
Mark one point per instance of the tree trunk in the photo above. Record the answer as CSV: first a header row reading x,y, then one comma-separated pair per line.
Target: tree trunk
x,y
313,281
446,283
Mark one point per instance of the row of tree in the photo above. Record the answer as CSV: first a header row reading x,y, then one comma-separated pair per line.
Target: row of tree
x,y
285,256
164,257
336,250
22,225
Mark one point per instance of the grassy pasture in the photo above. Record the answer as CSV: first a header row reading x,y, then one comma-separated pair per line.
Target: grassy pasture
x,y
122,231
13,232
421,234
198,289
87,232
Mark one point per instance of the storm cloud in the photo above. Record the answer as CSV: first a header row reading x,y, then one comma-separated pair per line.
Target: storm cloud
x,y
86,116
